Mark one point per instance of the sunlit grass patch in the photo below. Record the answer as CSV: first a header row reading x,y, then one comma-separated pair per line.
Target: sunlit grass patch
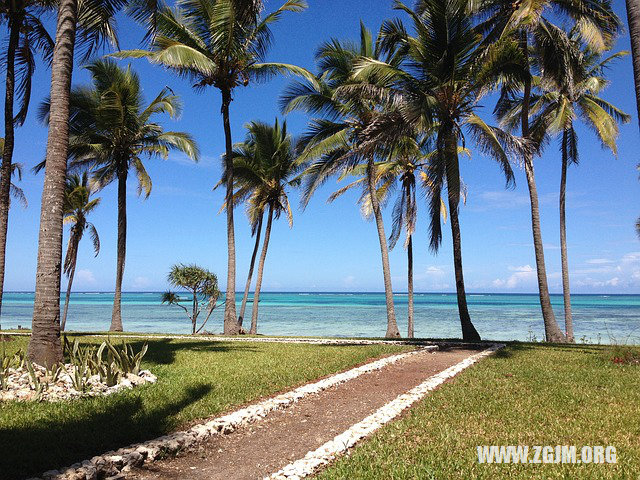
x,y
526,394
196,379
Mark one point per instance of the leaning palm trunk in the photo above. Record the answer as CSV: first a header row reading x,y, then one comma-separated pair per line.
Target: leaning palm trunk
x,y
469,332
410,332
75,235
633,16
392,325
68,295
116,316
231,325
263,256
552,331
250,275
7,153
566,291
45,347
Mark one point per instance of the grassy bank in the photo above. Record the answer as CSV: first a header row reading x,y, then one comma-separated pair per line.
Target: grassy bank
x,y
196,380
527,394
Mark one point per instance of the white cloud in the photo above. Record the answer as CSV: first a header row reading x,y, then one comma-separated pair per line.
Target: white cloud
x,y
523,276
141,282
622,274
599,261
84,278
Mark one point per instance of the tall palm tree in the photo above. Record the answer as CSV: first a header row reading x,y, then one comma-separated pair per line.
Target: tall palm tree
x,y
265,166
93,21
403,168
339,142
27,37
256,230
218,43
77,206
444,74
597,25
408,165
111,131
567,90
633,18
14,190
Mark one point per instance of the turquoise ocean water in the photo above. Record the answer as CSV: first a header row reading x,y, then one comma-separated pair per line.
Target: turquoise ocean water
x,y
604,318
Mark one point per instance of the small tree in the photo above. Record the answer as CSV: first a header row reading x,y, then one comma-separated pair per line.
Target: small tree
x,y
201,283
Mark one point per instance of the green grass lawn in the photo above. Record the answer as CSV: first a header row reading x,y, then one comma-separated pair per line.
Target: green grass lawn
x,y
527,394
196,379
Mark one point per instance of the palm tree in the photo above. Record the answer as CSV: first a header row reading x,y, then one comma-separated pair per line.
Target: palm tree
x,y
14,190
27,37
77,206
405,165
256,229
633,18
597,25
111,131
218,43
94,22
409,157
265,165
444,74
572,76
340,142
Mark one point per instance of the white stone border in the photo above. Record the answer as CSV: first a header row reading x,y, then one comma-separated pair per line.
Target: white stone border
x,y
122,460
320,457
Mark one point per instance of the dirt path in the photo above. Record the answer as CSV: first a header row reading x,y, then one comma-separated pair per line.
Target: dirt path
x,y
286,435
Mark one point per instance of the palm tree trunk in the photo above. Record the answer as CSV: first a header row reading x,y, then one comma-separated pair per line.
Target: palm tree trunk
x,y
263,256
194,316
392,325
552,331
633,17
7,153
410,286
566,291
469,332
45,346
68,295
250,275
231,326
116,316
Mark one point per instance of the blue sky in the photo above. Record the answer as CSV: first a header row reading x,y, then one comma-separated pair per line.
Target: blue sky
x,y
331,247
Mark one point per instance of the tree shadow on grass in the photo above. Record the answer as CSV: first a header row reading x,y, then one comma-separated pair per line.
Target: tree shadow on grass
x,y
88,429
512,348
